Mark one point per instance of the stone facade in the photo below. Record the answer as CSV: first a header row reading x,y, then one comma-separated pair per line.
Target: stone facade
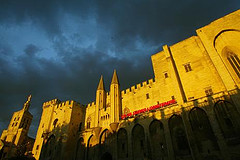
x,y
189,110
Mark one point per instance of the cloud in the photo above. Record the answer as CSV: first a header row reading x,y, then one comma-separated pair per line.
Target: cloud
x,y
31,49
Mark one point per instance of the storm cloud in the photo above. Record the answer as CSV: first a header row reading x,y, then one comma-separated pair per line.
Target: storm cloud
x,y
59,49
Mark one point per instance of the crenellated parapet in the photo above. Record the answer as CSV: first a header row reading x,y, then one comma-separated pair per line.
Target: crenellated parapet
x,y
139,86
51,102
69,103
91,104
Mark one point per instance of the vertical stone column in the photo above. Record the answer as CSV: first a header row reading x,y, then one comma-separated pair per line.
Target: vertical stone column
x,y
217,131
191,140
168,137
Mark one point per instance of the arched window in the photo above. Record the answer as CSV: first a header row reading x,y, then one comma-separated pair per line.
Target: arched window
x,y
227,117
234,62
158,142
179,138
89,122
202,131
122,143
80,152
138,142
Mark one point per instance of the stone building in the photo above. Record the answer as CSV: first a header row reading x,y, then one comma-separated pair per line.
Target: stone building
x,y
189,110
15,138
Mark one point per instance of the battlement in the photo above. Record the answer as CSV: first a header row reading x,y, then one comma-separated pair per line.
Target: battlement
x,y
91,104
51,102
68,103
137,87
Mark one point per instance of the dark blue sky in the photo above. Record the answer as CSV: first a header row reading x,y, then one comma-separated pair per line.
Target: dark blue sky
x,y
59,49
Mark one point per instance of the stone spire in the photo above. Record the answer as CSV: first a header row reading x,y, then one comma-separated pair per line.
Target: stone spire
x,y
27,103
115,103
101,84
114,78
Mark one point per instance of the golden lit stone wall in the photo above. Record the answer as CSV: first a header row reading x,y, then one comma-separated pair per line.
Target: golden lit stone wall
x,y
219,34
61,119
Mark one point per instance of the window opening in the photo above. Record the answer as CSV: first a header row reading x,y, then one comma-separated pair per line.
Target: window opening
x,y
147,96
187,67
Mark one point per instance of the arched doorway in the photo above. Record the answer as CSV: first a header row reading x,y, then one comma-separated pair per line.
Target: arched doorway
x,y
202,130
106,156
228,120
122,143
179,137
49,148
138,142
105,142
90,148
80,149
157,139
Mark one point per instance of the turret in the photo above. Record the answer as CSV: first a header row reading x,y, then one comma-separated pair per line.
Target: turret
x,y
100,100
27,103
115,99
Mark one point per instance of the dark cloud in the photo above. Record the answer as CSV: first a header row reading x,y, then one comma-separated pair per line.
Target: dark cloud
x,y
31,49
93,39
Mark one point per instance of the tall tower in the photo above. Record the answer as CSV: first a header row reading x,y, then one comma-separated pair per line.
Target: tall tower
x,y
100,100
16,133
115,99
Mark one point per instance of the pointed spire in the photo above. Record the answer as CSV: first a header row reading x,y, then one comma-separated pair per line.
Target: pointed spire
x,y
114,78
27,103
101,84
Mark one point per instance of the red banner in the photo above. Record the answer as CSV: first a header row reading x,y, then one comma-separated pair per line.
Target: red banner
x,y
161,105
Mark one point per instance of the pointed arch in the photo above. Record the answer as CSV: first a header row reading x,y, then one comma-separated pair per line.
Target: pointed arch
x,y
122,143
49,149
90,148
202,130
157,139
227,117
179,137
227,45
138,142
80,150
105,141
226,30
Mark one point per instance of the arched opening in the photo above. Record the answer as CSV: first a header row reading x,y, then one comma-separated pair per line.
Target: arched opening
x,y
55,123
157,138
89,119
90,148
80,150
227,44
105,141
106,156
122,143
179,138
138,142
202,130
227,117
49,148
